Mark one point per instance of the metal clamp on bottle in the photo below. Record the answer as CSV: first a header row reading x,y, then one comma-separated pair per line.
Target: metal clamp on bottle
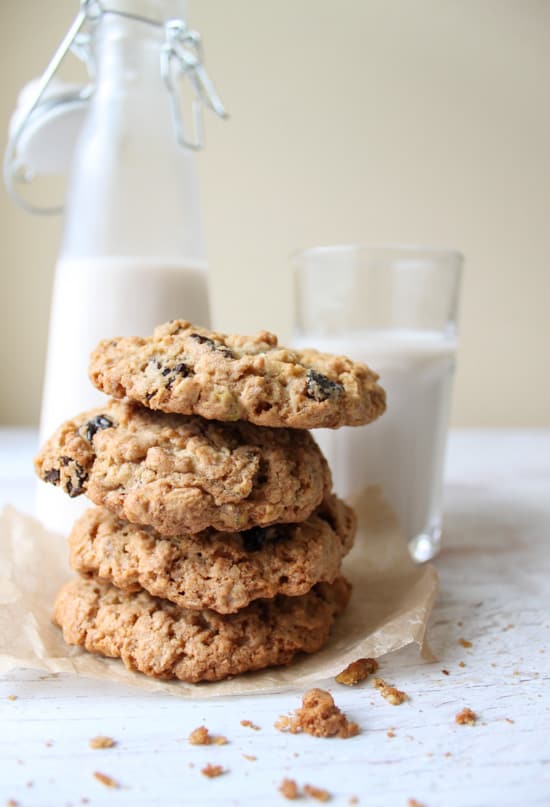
x,y
180,56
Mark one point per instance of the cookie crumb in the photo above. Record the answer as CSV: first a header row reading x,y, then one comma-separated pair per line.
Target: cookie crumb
x,y
250,725
353,800
465,643
201,736
289,789
212,771
414,803
12,697
461,664
250,757
445,672
509,720
318,716
108,781
317,793
391,694
390,733
12,803
466,717
102,742
357,671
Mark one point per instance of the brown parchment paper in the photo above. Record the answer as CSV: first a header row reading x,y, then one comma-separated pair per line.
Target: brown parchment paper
x,y
390,606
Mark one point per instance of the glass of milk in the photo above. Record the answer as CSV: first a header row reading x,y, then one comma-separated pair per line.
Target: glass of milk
x,y
395,309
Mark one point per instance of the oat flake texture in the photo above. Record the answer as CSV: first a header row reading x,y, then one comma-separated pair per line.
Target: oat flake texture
x,y
174,472
189,370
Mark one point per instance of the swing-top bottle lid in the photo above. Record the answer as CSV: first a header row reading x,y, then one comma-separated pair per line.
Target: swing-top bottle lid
x,y
49,112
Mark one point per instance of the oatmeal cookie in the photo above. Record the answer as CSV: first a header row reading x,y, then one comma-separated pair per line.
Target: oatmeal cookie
x,y
183,473
220,571
189,370
163,640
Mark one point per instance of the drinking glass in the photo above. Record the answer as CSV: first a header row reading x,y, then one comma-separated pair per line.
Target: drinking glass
x,y
394,308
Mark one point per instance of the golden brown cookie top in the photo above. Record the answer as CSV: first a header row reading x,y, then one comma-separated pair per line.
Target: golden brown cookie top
x,y
189,370
183,473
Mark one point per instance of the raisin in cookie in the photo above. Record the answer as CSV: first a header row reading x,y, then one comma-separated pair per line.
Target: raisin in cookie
x,y
184,474
189,370
163,640
220,571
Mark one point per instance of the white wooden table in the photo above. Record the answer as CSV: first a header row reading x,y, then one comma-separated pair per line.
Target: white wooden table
x,y
495,580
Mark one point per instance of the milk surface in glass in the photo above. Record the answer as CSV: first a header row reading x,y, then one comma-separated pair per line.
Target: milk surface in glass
x,y
403,451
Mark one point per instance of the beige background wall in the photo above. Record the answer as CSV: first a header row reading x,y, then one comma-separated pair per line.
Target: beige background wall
x,y
416,121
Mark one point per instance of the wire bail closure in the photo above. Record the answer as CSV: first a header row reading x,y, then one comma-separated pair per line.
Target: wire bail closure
x,y
180,56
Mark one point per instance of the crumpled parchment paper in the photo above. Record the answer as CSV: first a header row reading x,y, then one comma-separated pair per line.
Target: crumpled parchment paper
x,y
390,606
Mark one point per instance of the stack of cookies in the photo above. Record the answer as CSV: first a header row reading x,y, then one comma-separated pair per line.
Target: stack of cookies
x,y
216,543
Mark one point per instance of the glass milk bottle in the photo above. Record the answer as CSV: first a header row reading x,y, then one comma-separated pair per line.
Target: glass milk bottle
x,y
132,254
